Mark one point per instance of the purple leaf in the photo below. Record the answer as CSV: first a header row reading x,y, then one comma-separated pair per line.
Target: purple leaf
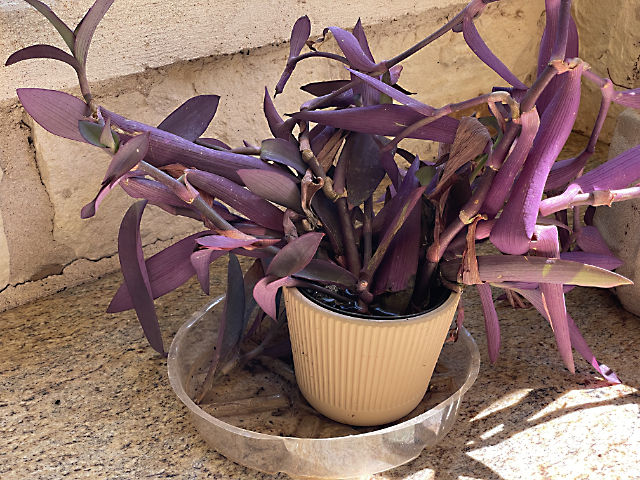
x,y
505,177
589,239
42,51
391,168
320,89
327,272
328,214
65,32
358,32
628,98
200,260
351,48
279,128
282,152
616,173
165,148
299,35
382,87
547,244
247,203
321,137
364,170
577,341
87,27
56,112
387,120
581,346
155,192
167,270
475,42
136,276
394,73
251,278
392,228
552,8
601,260
295,255
399,266
127,157
520,268
471,140
565,171
514,228
275,187
393,207
89,210
191,119
220,242
212,143
266,290
491,324
234,309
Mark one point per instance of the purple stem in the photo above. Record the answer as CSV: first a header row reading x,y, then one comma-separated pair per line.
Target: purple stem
x,y
367,230
476,5
560,46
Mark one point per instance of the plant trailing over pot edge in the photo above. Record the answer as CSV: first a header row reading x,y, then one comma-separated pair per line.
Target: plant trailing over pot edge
x,y
324,205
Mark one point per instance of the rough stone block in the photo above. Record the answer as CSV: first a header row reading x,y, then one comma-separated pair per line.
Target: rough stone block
x,y
620,223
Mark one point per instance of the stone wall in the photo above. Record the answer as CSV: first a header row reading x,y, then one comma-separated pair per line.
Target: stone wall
x,y
610,43
148,57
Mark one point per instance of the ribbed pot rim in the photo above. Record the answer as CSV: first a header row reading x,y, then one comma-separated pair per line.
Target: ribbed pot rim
x,y
404,319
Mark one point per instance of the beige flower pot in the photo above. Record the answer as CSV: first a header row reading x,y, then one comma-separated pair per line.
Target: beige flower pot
x,y
364,371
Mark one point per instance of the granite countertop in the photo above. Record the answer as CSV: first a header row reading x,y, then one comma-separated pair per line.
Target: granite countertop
x,y
83,396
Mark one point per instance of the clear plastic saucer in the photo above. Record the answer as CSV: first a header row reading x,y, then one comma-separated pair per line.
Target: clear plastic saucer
x,y
258,418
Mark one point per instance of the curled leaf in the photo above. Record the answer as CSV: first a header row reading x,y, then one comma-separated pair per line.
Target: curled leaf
x,y
136,277
42,51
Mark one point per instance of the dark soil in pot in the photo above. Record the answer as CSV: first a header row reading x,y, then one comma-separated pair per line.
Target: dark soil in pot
x,y
386,306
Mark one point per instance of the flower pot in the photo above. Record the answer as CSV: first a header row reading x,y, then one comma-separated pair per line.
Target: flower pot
x,y
362,371
276,438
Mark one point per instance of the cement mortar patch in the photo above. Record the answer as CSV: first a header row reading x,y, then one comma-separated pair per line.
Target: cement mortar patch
x,y
78,272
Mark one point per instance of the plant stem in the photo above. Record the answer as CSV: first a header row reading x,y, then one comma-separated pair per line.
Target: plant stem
x,y
310,159
324,100
367,230
599,197
348,237
315,53
474,4
452,108
196,201
560,45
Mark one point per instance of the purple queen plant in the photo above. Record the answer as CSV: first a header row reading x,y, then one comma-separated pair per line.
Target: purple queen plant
x,y
323,205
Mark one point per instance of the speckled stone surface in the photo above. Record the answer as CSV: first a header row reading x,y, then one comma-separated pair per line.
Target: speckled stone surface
x,y
83,396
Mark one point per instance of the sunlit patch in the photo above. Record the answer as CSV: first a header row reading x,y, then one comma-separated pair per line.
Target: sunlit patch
x,y
491,432
576,398
598,442
506,401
